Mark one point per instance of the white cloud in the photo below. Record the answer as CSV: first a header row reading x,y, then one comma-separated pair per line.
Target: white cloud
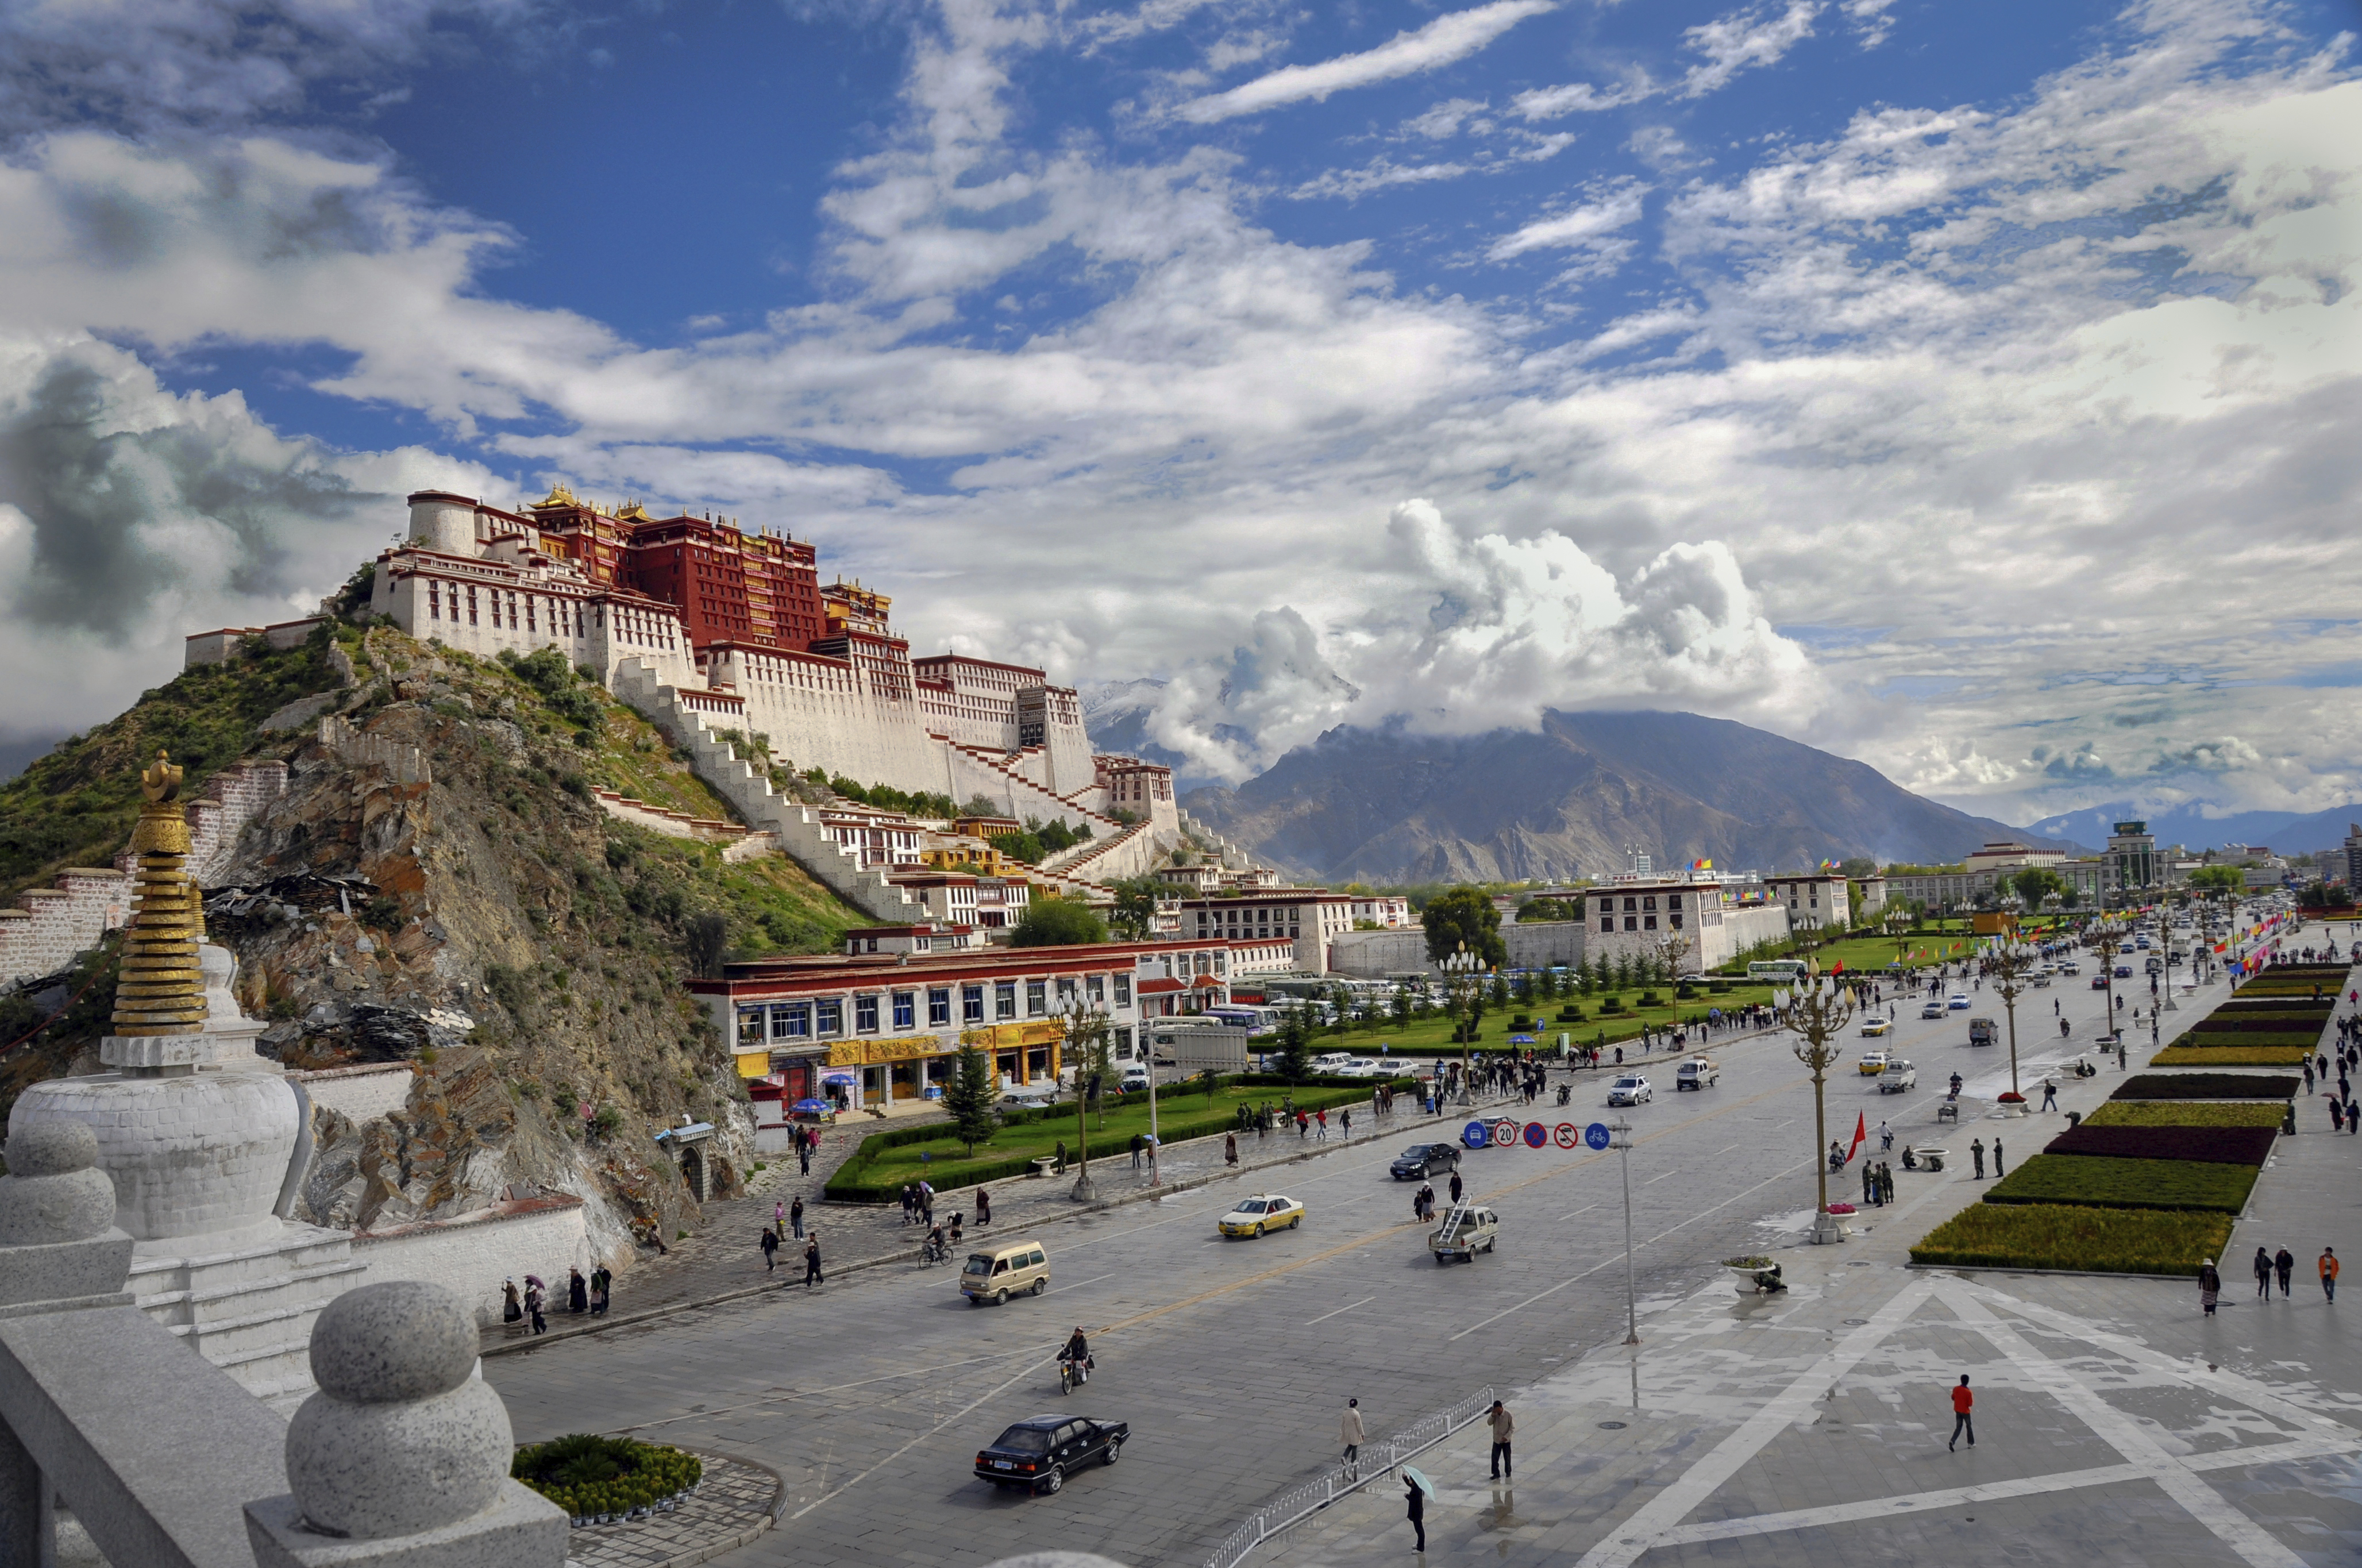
x,y
1744,39
1870,20
1580,226
1443,41
1581,99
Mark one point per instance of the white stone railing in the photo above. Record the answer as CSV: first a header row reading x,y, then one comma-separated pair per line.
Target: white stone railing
x,y
401,1457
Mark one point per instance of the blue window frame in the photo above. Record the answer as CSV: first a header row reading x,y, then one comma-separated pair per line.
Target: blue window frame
x,y
792,1021
865,1014
972,1004
939,1005
906,1009
1004,998
832,1015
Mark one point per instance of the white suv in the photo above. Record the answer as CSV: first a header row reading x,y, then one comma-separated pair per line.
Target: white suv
x,y
1630,1090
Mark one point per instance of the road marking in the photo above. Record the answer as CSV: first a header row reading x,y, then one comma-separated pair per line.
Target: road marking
x,y
1586,1208
1649,1523
1324,1317
852,1481
1723,1150
1080,1282
1655,1179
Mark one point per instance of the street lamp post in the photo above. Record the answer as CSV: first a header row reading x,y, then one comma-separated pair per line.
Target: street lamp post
x,y
1081,1025
2109,941
1460,970
1816,1013
2011,962
1622,1131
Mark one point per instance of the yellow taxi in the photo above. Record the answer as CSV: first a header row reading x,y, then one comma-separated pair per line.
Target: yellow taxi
x,y
1872,1062
1264,1211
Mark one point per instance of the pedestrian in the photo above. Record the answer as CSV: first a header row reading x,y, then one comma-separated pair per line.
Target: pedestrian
x,y
533,1289
1503,1425
2336,1114
983,1208
2308,1075
1885,1183
796,1217
770,1244
2263,1274
1885,1139
1231,1149
1977,1153
602,1283
1350,1432
1455,1189
2050,1095
1963,1403
510,1311
778,1216
1135,1151
2329,1272
1416,1500
1869,1181
804,1151
811,1262
2284,1264
907,1196
1345,1123
926,1205
1997,1170
2210,1285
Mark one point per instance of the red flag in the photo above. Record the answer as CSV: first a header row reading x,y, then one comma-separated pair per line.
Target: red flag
x,y
1860,1134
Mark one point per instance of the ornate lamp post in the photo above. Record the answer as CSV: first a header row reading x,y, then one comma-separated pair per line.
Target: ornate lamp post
x,y
1081,1028
1816,1012
1459,975
1898,924
2013,961
2108,940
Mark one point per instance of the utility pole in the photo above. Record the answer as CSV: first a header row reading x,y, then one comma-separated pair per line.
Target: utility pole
x,y
1623,1132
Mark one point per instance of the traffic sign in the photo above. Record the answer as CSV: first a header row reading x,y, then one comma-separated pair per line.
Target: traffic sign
x,y
1598,1136
1505,1133
1568,1134
1475,1134
1537,1135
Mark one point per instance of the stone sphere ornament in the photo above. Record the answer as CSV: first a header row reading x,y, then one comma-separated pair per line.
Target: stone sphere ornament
x,y
401,1437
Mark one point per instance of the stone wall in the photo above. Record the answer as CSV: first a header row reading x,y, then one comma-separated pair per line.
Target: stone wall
x,y
672,824
473,1254
1375,954
361,1094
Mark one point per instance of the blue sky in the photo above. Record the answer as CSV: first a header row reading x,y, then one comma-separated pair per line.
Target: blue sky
x,y
1967,389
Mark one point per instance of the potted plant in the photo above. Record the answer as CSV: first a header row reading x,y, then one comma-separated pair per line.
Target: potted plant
x,y
2012,1103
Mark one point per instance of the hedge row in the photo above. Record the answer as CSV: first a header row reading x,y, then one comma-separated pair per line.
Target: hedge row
x,y
2207,1086
2186,1113
2306,1039
2208,1145
2089,1182
2231,1057
2277,1024
2046,1235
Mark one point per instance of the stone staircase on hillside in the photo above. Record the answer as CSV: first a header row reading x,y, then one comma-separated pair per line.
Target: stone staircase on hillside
x,y
1132,852
1027,799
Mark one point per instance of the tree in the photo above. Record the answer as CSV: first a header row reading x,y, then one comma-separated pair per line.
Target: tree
x,y
1464,915
1857,867
707,936
968,1097
1500,990
1058,922
2036,883
1547,909
1134,918
1402,1006
1294,1061
2227,881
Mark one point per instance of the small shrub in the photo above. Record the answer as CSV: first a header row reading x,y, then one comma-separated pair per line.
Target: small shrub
x,y
2051,1235
2091,1181
2185,1113
587,1474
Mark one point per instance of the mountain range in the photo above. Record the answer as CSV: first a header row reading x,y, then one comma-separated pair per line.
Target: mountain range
x,y
1568,799
2286,832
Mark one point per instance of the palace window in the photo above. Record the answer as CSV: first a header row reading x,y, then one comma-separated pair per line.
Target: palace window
x,y
1004,998
864,1015
832,1015
906,1009
792,1021
972,1004
939,1005
471,605
1037,1001
1123,990
1099,988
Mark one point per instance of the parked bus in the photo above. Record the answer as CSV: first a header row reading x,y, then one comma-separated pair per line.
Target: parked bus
x,y
1779,971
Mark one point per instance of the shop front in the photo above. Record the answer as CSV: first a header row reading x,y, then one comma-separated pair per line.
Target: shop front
x,y
1022,1052
863,1073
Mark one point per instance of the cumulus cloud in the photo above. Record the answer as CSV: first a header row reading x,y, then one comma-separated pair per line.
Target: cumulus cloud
x,y
1443,41
1588,226
1744,39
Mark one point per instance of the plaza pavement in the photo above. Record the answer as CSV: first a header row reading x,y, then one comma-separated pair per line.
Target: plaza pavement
x,y
2117,1424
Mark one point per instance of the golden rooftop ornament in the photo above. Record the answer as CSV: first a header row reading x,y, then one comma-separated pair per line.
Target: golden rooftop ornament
x,y
162,988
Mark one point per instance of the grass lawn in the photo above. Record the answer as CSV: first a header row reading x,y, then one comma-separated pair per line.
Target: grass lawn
x,y
878,1170
2098,1182
2231,1057
2058,1235
2187,1113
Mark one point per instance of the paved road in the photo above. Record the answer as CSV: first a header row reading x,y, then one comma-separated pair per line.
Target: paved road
x,y
1231,1359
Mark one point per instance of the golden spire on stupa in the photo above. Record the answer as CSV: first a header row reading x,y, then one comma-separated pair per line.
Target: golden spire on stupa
x,y
162,988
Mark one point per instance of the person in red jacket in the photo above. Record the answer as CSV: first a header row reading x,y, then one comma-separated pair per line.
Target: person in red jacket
x,y
1962,1401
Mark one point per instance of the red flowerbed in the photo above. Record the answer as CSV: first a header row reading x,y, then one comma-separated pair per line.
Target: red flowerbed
x,y
2209,1145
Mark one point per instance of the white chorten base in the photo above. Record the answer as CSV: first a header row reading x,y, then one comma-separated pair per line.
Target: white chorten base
x,y
246,1299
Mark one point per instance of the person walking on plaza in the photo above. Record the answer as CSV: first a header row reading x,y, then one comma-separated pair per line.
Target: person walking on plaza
x,y
796,1218
2050,1095
1963,1403
804,1142
578,1291
1416,1501
2263,1274
2329,1272
533,1303
983,1208
1503,1425
1997,1170
1345,1123
2284,1264
1349,1433
1977,1153
1136,1142
770,1249
510,1311
602,1283
778,1216
811,1262
2210,1285
1456,1186
1320,1126
1231,1149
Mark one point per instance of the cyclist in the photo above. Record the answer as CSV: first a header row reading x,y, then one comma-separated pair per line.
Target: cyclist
x,y
935,1251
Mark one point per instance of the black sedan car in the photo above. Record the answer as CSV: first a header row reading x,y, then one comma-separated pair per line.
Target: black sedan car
x,y
1423,1160
1040,1453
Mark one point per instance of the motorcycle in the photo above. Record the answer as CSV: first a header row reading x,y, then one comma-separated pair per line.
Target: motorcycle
x,y
1072,1373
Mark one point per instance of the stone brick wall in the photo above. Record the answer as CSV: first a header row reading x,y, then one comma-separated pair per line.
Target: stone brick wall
x,y
48,926
474,1253
360,1093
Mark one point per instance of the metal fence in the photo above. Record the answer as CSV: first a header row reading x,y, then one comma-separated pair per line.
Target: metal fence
x,y
1377,1462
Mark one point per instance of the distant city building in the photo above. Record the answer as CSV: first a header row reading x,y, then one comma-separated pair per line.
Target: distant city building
x,y
1814,898
1305,918
2001,855
1635,916
2131,861
2353,852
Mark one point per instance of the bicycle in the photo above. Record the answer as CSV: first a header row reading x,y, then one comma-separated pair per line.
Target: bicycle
x,y
932,1253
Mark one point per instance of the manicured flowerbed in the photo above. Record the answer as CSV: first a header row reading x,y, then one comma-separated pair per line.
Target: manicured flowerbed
x,y
601,1479
2094,1182
2239,1028
2207,1086
2184,1114
2051,1235
2231,1057
2209,1145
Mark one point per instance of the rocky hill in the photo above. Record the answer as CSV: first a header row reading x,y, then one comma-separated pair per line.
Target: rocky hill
x,y
499,930
1566,800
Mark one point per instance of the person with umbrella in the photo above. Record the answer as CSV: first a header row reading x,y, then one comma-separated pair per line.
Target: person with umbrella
x,y
1416,1490
534,1289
